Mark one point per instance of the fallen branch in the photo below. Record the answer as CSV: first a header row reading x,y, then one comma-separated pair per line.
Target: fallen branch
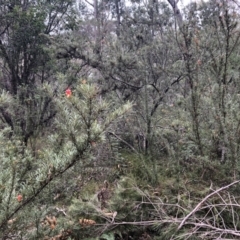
x,y
199,204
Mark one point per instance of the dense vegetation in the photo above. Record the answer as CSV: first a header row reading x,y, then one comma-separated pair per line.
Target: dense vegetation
x,y
119,120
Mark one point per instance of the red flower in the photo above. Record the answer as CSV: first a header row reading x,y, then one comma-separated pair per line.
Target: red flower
x,y
68,92
19,197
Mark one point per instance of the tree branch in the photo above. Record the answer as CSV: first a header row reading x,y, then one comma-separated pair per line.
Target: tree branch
x,y
205,199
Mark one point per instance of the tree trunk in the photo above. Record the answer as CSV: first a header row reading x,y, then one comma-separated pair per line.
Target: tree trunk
x,y
177,12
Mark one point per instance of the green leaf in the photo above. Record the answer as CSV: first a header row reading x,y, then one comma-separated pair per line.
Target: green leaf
x,y
107,236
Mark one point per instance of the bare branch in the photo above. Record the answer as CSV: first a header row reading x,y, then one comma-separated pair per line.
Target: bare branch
x,y
204,200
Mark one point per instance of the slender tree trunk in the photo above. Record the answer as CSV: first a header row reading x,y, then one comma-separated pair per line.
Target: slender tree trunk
x,y
118,17
177,12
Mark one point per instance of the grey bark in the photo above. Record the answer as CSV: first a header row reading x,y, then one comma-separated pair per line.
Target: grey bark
x,y
177,12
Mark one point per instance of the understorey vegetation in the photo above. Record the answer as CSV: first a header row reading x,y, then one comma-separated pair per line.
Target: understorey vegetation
x,y
119,120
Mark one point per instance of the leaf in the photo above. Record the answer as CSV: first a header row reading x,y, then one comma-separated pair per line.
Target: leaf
x,y
107,236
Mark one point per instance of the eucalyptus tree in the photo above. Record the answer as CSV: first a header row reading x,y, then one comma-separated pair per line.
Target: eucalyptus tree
x,y
208,40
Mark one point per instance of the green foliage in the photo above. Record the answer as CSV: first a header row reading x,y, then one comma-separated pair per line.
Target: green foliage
x,y
83,119
139,167
168,150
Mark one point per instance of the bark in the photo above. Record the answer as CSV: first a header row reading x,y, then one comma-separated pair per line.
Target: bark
x,y
177,12
118,17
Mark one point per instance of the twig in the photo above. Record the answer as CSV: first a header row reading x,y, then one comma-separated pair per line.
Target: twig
x,y
199,204
119,138
61,210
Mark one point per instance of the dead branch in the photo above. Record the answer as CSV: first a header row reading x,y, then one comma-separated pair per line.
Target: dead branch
x,y
208,196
